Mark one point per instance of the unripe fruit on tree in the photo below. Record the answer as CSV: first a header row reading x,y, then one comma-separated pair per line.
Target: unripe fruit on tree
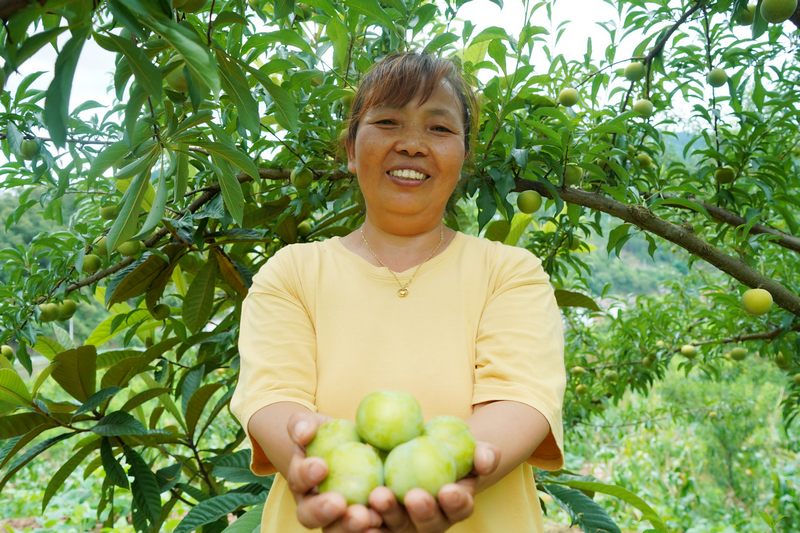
x,y
796,379
568,97
7,351
176,79
48,312
724,175
782,361
689,351
419,463
100,246
648,361
160,312
756,301
529,201
188,6
91,263
454,434
577,370
635,71
572,174
130,248
643,107
738,353
717,77
301,177
109,212
388,418
777,11
747,16
330,435
611,376
354,470
497,230
645,161
581,389
66,309
28,149
305,228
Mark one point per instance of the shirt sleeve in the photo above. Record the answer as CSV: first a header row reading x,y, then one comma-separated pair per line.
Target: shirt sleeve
x,y
276,349
520,349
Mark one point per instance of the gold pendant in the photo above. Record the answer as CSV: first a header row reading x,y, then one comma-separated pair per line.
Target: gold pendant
x,y
403,292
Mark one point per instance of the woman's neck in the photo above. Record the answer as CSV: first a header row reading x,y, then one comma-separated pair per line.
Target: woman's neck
x,y
398,252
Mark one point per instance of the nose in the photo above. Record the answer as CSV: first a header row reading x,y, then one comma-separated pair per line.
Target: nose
x,y
412,143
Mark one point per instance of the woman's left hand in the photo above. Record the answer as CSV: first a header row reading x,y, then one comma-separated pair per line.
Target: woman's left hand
x,y
421,513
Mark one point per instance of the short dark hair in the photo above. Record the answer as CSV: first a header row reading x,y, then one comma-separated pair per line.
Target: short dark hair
x,y
398,78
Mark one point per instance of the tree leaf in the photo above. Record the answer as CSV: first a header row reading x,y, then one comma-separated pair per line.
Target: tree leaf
x,y
146,494
148,76
30,454
194,52
373,11
249,522
235,85
228,152
113,469
229,272
56,107
119,423
136,278
214,508
75,370
97,399
126,222
48,347
566,298
232,194
197,403
13,389
199,301
21,423
34,43
583,510
65,470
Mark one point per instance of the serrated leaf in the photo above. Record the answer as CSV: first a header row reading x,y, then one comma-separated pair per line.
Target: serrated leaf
x,y
146,493
143,397
20,423
75,371
583,510
119,424
30,454
249,522
235,468
13,390
199,301
214,508
96,399
114,472
121,373
235,85
56,107
648,513
137,278
574,299
57,480
197,403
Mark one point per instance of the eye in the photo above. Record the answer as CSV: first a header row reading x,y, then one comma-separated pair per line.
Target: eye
x,y
442,129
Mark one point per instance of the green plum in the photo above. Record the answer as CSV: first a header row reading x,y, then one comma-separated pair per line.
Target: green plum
x,y
354,470
330,435
388,418
419,463
455,436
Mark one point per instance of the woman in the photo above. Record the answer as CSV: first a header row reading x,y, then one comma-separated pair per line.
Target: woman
x,y
470,327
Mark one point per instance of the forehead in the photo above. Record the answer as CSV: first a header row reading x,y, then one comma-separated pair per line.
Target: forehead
x,y
442,101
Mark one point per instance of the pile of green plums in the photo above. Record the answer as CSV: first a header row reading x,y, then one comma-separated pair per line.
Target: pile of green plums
x,y
390,444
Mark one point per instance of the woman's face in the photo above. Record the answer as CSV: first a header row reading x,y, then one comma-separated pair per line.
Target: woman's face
x,y
408,160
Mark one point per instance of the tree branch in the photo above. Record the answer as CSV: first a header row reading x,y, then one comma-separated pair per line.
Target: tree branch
x,y
646,220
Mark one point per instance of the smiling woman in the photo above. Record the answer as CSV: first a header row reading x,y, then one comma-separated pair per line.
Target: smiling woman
x,y
468,326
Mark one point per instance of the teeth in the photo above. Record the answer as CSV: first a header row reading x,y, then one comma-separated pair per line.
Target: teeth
x,y
408,174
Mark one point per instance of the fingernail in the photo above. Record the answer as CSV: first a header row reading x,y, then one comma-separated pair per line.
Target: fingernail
x,y
488,456
316,470
301,428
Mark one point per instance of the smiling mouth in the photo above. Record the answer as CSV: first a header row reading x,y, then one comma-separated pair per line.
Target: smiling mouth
x,y
408,174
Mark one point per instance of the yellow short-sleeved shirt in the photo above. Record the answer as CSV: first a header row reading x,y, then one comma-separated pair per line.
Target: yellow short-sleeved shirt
x,y
323,327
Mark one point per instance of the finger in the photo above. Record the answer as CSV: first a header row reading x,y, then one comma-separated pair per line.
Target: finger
x,y
424,512
486,458
358,518
302,427
321,510
456,502
305,473
383,502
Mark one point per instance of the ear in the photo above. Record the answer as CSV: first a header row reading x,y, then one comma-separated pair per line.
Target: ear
x,y
351,158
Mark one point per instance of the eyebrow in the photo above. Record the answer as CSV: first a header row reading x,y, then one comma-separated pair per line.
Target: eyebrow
x,y
434,111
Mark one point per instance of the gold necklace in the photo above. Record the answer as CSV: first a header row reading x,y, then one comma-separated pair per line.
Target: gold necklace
x,y
402,292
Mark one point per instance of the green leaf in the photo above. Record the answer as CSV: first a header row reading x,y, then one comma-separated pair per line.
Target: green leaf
x,y
618,237
56,107
232,194
199,301
519,223
21,423
235,468
148,76
126,222
48,347
228,152
196,405
439,42
681,202
75,370
30,454
118,424
113,469
143,397
181,176
64,472
13,389
96,399
286,37
34,43
157,207
373,11
575,299
249,522
136,278
235,85
214,508
648,513
583,510
104,331
286,112
146,493
194,52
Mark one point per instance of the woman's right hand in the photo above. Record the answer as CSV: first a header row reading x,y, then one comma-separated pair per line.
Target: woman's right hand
x,y
329,510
